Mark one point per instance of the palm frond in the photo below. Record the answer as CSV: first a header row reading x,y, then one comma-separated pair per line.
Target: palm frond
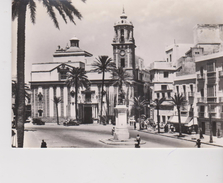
x,y
50,11
15,8
32,7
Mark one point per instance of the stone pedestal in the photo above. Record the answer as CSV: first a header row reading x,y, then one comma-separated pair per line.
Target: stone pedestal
x,y
121,129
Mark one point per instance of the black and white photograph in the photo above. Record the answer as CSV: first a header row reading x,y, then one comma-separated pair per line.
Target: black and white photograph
x,y
112,91
117,74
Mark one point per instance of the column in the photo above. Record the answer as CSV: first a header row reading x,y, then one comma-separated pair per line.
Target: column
x,y
51,107
65,101
58,94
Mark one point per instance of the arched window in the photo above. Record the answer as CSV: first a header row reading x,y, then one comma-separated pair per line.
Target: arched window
x,y
122,35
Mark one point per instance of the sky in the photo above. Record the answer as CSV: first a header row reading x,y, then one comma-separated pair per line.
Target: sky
x,y
157,23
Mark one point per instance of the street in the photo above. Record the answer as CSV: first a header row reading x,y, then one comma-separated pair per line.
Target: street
x,y
88,136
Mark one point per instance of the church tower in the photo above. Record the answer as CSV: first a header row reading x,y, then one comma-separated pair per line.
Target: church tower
x,y
124,44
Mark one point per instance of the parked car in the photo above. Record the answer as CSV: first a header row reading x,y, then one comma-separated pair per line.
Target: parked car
x,y
37,121
71,122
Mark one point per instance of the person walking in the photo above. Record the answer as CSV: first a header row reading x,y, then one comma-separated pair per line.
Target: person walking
x,y
138,141
198,143
43,144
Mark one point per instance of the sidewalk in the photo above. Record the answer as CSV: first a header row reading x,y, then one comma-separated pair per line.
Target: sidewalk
x,y
189,137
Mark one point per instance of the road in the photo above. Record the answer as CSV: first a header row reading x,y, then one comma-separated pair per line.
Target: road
x,y
88,136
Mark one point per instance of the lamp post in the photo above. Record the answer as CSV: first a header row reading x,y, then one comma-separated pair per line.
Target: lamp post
x,y
210,124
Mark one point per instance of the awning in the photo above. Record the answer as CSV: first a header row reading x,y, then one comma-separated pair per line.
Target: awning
x,y
192,122
184,120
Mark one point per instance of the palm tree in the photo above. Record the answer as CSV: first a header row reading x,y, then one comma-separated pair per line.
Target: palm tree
x,y
56,101
122,77
178,100
77,78
103,64
139,104
15,96
157,104
19,8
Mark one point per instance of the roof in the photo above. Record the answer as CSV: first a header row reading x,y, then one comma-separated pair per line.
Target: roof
x,y
209,57
49,66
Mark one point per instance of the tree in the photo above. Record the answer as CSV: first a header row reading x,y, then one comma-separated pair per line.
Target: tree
x,y
15,96
178,100
139,104
122,77
157,104
77,77
56,101
103,64
19,8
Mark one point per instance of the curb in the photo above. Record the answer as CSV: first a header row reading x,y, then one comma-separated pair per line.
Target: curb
x,y
181,138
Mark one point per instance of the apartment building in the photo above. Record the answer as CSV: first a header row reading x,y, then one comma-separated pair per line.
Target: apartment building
x,y
209,82
186,85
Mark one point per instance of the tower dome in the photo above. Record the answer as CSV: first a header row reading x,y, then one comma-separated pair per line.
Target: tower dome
x,y
123,19
74,42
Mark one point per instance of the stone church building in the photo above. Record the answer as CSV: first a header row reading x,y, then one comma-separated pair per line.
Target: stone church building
x,y
48,79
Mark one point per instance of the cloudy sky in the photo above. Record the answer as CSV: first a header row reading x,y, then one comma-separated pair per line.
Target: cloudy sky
x,y
157,23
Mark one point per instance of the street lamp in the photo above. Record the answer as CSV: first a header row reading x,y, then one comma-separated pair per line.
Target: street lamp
x,y
209,110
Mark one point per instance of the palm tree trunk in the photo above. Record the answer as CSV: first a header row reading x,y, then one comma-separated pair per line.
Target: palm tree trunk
x,y
140,120
20,73
102,90
57,114
179,119
158,120
76,88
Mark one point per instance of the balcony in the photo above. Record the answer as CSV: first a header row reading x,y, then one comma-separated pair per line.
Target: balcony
x,y
221,99
87,100
202,100
220,74
211,99
201,114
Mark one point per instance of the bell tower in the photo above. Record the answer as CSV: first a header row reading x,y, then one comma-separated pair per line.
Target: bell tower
x,y
124,44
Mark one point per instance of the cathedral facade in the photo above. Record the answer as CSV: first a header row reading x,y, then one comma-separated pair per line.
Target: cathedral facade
x,y
48,80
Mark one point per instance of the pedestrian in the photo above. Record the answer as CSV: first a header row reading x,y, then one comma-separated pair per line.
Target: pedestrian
x,y
201,134
43,144
113,131
138,141
198,143
171,127
134,125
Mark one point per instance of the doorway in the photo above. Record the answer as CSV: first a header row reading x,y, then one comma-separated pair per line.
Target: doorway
x,y
214,128
203,127
87,115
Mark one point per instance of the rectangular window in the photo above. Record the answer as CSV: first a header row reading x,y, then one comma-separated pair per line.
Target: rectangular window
x,y
211,91
169,95
166,74
184,88
158,95
170,58
210,67
122,62
164,119
202,92
163,95
163,87
88,97
201,71
141,76
177,87
63,75
191,88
